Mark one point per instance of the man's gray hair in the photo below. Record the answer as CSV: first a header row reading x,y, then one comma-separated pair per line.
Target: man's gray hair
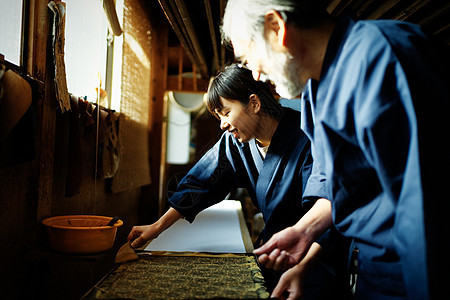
x,y
246,17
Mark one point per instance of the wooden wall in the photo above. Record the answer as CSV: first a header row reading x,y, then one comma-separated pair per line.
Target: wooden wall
x,y
35,189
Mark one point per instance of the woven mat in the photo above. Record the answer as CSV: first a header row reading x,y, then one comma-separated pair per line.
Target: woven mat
x,y
135,102
185,277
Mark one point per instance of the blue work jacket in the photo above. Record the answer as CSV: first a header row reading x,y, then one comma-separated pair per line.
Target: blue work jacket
x,y
378,121
274,184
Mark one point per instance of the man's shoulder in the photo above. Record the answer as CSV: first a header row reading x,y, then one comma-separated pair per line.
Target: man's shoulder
x,y
380,33
385,25
369,40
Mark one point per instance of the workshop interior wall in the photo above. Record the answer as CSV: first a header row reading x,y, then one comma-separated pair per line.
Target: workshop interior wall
x,y
36,188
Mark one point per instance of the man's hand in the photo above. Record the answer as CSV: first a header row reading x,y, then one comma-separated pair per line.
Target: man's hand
x,y
290,285
284,250
287,247
292,281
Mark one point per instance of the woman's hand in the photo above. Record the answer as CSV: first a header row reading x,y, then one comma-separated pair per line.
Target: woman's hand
x,y
139,235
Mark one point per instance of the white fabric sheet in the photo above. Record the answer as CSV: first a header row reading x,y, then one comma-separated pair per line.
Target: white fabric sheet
x,y
215,229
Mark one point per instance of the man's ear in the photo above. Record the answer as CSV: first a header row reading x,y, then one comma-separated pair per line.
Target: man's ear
x,y
254,103
275,29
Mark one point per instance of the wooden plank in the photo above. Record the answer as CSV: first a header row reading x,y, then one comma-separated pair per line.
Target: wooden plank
x,y
194,78
180,68
162,165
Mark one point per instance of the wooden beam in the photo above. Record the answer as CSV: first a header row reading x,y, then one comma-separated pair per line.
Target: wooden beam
x,y
109,6
212,32
336,7
360,7
181,31
186,18
177,25
331,7
410,10
435,14
441,29
222,47
382,9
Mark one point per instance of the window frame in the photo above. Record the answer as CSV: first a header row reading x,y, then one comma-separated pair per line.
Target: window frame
x,y
25,23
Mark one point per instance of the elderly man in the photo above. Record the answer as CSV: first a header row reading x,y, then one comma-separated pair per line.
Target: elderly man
x,y
375,100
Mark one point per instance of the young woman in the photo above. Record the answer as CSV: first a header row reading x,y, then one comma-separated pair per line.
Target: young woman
x,y
262,150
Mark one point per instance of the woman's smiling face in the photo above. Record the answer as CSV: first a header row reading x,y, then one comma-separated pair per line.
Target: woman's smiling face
x,y
239,119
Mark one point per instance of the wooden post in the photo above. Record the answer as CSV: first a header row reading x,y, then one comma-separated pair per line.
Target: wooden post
x,y
159,62
37,67
180,68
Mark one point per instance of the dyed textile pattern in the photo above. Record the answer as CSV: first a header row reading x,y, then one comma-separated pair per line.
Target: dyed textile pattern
x,y
184,277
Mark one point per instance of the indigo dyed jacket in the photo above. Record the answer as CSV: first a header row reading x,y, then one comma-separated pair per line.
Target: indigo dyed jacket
x,y
274,184
378,121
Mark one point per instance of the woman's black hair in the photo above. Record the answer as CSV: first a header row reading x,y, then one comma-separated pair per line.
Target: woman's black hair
x,y
237,83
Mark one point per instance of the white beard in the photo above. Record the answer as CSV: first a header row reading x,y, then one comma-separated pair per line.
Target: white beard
x,y
284,70
285,75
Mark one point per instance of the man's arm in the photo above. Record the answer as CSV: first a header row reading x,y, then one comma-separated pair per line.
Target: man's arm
x,y
291,281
